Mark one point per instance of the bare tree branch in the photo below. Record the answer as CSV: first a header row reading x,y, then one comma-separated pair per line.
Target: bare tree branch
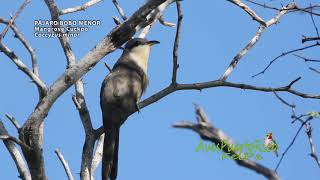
x,y
15,140
3,33
248,11
307,9
175,65
97,157
303,123
306,59
315,70
10,54
284,54
79,8
13,121
209,132
253,41
153,17
26,44
305,39
165,23
120,10
242,53
313,153
64,164
15,154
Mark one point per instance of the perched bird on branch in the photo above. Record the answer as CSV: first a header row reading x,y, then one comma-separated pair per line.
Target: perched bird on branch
x,y
271,144
120,93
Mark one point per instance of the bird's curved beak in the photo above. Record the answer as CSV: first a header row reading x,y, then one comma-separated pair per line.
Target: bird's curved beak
x,y
151,43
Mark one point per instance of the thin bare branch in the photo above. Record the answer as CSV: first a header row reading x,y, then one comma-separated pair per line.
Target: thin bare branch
x,y
313,153
120,10
209,132
13,121
306,59
249,11
284,54
305,39
165,23
107,66
10,54
284,101
315,70
64,164
3,33
79,8
252,42
15,140
153,17
175,65
303,123
15,154
314,23
264,5
242,53
26,44
218,83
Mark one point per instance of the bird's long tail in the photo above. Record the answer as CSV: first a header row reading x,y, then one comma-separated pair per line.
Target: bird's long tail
x,y
110,154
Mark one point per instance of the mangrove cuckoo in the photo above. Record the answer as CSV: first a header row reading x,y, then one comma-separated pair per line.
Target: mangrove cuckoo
x,y
120,93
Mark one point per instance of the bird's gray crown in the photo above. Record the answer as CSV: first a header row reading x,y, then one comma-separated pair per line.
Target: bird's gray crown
x,y
136,42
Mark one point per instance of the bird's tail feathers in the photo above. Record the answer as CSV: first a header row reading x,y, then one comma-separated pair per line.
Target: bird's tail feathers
x,y
110,154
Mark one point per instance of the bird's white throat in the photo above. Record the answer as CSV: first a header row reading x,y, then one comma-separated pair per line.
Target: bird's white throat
x,y
140,55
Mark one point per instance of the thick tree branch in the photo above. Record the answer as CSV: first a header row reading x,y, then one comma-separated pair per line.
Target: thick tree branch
x,y
79,8
64,164
208,132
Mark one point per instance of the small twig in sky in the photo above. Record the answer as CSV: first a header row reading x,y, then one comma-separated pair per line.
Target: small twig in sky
x,y
284,54
306,59
315,70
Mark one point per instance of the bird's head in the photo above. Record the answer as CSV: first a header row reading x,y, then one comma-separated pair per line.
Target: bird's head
x,y
138,50
139,43
269,136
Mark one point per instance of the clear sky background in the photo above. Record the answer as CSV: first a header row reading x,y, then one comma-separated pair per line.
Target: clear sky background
x,y
212,33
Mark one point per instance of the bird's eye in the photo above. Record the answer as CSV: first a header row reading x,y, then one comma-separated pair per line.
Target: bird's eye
x,y
137,43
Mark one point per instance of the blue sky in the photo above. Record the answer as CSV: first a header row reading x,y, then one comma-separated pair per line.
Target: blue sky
x,y
212,33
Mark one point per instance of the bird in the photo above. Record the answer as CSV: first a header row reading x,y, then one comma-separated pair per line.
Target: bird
x,y
120,93
271,144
